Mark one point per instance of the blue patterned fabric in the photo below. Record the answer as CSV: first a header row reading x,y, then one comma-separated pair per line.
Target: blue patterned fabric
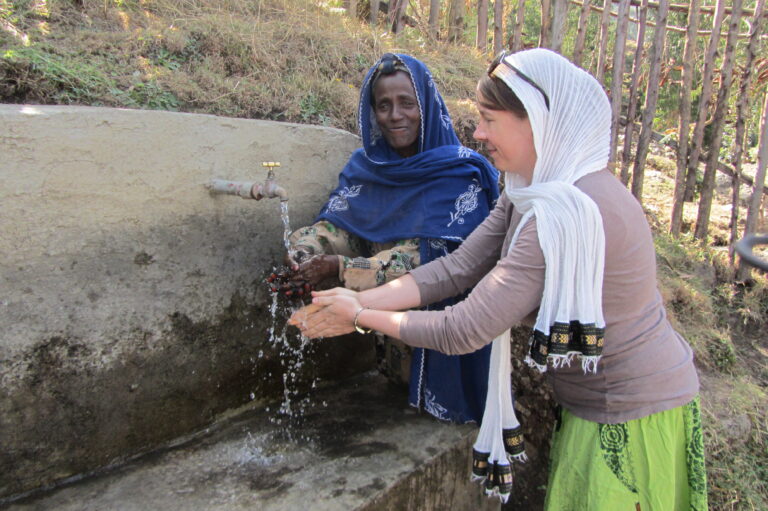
x,y
439,195
450,387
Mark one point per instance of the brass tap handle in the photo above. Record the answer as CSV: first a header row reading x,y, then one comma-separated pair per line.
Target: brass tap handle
x,y
271,166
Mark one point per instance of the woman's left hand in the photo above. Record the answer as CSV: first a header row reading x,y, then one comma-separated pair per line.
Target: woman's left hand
x,y
328,315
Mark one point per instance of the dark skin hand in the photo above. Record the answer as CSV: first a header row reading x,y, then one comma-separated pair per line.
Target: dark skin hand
x,y
304,277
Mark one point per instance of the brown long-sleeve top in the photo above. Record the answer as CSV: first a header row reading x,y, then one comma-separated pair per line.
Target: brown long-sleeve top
x,y
646,366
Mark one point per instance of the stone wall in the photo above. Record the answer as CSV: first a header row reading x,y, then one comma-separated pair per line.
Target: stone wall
x,y
133,308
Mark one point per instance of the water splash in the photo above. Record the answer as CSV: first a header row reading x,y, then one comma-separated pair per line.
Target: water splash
x,y
293,351
252,452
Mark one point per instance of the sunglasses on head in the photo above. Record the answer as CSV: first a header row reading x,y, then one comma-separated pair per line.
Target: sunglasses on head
x,y
499,61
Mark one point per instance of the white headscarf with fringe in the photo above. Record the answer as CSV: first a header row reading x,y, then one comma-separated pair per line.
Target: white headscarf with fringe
x,y
571,139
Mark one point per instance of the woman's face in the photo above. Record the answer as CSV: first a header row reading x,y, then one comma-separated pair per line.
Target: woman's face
x,y
397,112
508,139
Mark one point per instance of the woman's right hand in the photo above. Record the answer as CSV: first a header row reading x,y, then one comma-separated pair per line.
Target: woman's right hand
x,y
317,269
305,276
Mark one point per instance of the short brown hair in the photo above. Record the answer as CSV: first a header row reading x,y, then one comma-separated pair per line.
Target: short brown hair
x,y
498,96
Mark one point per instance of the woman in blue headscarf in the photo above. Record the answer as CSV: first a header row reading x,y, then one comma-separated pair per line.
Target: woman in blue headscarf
x,y
411,194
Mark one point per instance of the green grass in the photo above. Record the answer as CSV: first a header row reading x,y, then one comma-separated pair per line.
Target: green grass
x,y
50,76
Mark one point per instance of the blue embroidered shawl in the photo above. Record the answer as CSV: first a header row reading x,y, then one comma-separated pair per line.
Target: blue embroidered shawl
x,y
439,195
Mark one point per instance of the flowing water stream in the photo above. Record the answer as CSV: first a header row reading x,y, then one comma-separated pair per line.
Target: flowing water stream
x,y
293,349
286,227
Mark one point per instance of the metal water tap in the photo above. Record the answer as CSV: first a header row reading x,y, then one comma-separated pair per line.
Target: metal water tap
x,y
270,188
249,189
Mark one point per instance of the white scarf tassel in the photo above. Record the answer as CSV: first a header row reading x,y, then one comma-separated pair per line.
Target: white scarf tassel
x,y
572,139
499,415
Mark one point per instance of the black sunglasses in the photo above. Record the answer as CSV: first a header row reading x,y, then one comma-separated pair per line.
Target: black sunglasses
x,y
499,60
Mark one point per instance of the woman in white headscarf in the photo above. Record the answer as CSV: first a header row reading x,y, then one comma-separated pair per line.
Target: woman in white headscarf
x,y
568,251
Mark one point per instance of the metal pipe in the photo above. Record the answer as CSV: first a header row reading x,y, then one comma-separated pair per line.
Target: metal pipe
x,y
222,186
251,190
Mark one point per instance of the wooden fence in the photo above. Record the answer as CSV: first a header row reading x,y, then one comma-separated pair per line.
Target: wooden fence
x,y
721,26
730,62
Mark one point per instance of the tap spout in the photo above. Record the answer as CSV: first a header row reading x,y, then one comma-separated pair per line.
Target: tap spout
x,y
270,188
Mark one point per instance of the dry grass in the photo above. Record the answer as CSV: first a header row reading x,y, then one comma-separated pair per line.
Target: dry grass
x,y
281,60
725,325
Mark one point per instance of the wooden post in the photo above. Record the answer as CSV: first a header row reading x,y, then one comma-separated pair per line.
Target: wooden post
x,y
517,38
481,40
581,33
651,97
397,15
678,200
753,209
498,26
456,21
374,11
559,17
352,8
632,105
619,58
546,24
718,121
600,71
704,99
434,18
741,114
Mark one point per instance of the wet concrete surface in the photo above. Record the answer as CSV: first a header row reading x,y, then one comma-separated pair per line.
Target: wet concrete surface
x,y
133,306
356,445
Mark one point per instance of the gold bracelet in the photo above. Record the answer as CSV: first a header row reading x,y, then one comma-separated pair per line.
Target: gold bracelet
x,y
360,329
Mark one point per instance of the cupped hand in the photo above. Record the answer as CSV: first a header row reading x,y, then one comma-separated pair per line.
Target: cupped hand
x,y
309,274
300,317
317,269
330,314
300,279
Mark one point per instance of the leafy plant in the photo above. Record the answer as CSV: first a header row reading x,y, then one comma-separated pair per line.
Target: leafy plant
x,y
166,59
53,77
147,95
313,108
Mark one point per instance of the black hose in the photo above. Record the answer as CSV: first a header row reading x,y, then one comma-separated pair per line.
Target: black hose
x,y
744,249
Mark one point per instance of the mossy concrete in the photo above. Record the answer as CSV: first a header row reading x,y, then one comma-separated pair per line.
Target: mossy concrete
x,y
133,307
357,446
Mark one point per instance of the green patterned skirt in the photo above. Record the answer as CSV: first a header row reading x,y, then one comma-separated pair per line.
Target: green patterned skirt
x,y
655,463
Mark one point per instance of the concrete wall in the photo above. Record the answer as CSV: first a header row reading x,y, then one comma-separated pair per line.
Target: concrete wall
x,y
132,303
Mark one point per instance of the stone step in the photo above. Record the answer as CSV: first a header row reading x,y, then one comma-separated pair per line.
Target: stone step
x,y
353,446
